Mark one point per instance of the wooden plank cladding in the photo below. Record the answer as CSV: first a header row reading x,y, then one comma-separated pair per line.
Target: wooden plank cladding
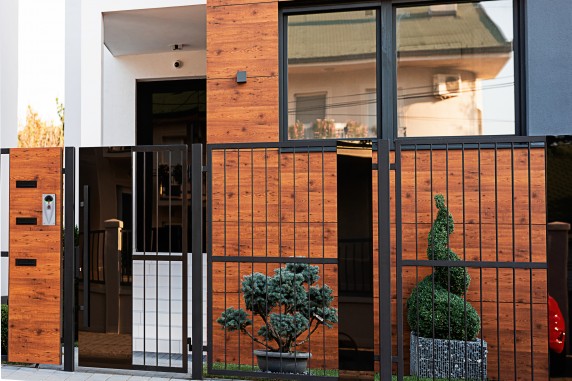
x,y
242,36
270,204
35,257
497,199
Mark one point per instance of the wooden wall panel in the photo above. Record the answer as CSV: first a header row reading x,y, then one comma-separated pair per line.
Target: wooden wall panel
x,y
491,231
242,36
242,112
271,204
34,319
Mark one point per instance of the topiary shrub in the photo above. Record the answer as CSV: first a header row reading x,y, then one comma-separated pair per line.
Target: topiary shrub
x,y
436,307
289,303
4,329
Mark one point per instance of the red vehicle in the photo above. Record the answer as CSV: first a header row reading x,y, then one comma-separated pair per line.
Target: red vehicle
x,y
556,326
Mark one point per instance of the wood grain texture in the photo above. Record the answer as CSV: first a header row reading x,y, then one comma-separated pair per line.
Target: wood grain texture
x,y
245,112
271,204
242,37
490,225
34,319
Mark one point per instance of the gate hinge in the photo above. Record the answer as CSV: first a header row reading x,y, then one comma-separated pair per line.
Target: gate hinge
x,y
374,167
205,168
392,166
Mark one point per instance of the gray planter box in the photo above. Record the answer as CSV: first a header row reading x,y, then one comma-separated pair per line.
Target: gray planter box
x,y
447,359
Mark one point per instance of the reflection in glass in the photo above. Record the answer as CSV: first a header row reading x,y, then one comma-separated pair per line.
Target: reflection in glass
x,y
455,70
332,75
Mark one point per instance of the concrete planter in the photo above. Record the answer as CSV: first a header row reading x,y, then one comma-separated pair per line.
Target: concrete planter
x,y
455,359
277,362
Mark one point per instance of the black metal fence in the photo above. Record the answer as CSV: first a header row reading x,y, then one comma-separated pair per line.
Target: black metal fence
x,y
471,258
272,259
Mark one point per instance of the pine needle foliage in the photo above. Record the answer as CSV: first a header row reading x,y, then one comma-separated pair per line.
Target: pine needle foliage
x,y
290,303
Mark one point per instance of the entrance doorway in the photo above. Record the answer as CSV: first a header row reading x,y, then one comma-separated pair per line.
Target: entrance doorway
x,y
355,256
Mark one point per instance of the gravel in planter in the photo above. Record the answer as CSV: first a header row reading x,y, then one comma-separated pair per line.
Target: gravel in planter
x,y
448,357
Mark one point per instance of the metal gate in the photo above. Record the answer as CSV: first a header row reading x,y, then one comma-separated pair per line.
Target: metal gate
x,y
271,214
133,265
470,251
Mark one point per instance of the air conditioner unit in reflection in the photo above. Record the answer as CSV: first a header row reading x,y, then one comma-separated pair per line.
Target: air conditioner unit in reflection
x,y
446,85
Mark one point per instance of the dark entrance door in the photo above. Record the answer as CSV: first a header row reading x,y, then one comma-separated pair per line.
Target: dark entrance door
x,y
132,278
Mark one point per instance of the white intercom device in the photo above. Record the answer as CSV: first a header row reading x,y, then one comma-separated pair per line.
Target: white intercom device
x,y
49,209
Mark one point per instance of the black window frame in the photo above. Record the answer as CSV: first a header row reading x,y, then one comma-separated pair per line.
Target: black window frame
x,y
386,60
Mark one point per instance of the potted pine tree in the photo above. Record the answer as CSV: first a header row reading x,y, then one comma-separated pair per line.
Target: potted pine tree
x,y
291,306
444,326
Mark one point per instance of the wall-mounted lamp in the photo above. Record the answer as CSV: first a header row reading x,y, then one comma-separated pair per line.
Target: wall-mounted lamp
x,y
241,77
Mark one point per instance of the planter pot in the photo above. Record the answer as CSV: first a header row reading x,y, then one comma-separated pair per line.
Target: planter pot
x,y
277,362
448,359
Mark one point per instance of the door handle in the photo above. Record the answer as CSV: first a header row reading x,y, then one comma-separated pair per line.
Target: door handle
x,y
86,264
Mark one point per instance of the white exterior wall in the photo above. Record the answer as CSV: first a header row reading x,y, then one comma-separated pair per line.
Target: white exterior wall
x,y
120,78
85,61
101,111
8,116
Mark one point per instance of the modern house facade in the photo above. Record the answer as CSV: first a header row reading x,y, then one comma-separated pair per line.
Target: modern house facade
x,y
299,106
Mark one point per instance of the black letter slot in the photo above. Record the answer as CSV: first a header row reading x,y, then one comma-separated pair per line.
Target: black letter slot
x,y
26,221
26,184
25,262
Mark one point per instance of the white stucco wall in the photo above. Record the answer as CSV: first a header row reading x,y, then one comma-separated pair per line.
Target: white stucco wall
x,y
8,116
120,76
87,105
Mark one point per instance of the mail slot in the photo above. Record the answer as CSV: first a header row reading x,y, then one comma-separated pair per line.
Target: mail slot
x,y
25,262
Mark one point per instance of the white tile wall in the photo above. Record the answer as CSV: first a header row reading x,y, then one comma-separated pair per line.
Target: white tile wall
x,y
156,318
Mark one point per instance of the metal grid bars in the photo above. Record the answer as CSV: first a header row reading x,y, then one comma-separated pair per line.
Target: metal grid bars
x,y
272,211
160,249
494,189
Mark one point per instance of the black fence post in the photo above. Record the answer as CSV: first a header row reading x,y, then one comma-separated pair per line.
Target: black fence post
x,y
197,260
69,261
384,262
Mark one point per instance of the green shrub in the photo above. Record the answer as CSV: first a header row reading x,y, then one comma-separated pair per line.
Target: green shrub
x,y
290,304
4,329
436,307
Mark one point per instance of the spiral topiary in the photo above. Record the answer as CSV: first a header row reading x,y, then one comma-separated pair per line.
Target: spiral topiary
x,y
436,307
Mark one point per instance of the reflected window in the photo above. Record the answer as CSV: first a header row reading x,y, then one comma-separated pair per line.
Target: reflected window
x,y
455,69
331,71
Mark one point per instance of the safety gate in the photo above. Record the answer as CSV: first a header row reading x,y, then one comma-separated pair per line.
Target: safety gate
x,y
132,280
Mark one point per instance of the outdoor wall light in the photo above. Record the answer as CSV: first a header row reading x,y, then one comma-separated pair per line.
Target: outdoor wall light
x,y
241,77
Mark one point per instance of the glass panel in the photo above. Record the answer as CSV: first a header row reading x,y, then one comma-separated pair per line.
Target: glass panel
x,y
455,69
332,75
104,283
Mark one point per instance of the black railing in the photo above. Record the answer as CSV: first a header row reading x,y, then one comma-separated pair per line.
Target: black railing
x,y
96,255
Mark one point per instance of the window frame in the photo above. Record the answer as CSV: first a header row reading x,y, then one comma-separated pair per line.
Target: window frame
x,y
386,60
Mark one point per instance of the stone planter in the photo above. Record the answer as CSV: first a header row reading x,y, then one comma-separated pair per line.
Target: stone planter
x,y
447,360
277,362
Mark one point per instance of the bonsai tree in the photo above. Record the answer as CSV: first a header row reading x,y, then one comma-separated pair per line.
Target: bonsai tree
x,y
438,299
289,303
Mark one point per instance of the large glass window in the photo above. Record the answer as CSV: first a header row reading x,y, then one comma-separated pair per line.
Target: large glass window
x,y
331,71
455,69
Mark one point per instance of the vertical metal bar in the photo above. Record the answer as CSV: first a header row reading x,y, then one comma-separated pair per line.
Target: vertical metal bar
x,y
384,252
480,259
530,260
238,236
252,241
197,260
86,264
209,263
513,257
497,255
224,248
156,154
170,253
185,263
144,249
417,256
69,261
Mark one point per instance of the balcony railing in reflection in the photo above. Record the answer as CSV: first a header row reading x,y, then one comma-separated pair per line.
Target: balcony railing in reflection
x,y
355,255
